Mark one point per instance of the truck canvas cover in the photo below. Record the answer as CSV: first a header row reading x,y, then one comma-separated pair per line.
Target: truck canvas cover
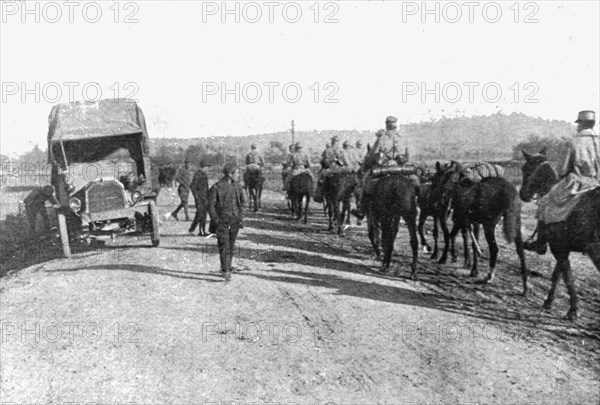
x,y
83,120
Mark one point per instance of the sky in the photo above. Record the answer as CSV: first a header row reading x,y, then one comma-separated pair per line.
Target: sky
x,y
197,72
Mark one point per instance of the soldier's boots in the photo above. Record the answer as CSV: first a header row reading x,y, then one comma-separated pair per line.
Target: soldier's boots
x,y
227,276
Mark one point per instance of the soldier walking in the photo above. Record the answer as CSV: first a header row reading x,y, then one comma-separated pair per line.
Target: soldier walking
x,y
225,207
184,178
199,189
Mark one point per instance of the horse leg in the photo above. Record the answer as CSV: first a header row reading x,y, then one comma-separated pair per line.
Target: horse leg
x,y
338,216
444,225
488,229
474,270
567,274
414,244
330,214
422,219
455,228
387,237
306,208
521,254
373,229
466,255
435,237
259,195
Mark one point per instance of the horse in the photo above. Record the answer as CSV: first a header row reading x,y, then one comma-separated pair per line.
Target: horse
x,y
435,203
253,182
393,197
580,232
301,186
338,188
484,203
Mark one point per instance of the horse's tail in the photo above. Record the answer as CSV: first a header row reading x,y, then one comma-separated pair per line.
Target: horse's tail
x,y
512,215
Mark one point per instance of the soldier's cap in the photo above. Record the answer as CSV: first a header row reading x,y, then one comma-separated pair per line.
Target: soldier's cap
x,y
586,115
229,168
391,120
358,143
334,139
346,143
298,146
48,190
253,146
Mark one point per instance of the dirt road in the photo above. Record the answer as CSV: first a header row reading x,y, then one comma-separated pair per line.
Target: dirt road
x,y
306,319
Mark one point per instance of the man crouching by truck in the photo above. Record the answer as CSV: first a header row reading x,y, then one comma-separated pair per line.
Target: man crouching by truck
x,y
35,203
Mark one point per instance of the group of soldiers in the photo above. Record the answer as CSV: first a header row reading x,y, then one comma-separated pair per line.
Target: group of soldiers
x,y
579,170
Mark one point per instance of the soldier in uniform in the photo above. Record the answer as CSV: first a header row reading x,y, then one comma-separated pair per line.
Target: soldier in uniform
x,y
360,154
385,151
298,162
184,178
253,157
286,169
225,207
332,158
579,170
35,203
350,157
199,189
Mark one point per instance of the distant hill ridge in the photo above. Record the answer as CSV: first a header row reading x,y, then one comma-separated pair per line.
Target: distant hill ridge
x,y
463,138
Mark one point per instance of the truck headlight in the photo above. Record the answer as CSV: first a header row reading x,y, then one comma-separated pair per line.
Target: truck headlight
x,y
136,197
75,204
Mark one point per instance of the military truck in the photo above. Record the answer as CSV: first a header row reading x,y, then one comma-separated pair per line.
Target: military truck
x,y
101,171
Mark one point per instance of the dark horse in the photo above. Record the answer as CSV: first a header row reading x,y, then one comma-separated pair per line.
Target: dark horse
x,y
301,186
580,232
392,197
253,182
483,203
338,188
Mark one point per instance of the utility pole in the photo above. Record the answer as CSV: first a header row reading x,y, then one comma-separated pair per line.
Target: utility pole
x,y
292,129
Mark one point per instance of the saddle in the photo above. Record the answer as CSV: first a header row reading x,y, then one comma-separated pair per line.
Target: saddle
x,y
405,170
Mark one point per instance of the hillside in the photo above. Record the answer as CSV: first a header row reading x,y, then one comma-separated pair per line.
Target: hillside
x,y
463,138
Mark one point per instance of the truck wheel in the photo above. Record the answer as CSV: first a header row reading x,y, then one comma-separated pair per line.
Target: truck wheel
x,y
155,234
64,235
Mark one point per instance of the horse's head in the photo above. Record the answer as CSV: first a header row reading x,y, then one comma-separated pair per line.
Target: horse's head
x,y
442,183
538,175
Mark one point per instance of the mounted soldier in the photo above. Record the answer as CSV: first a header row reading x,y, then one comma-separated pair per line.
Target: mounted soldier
x,y
254,158
360,154
578,173
331,159
298,162
385,152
